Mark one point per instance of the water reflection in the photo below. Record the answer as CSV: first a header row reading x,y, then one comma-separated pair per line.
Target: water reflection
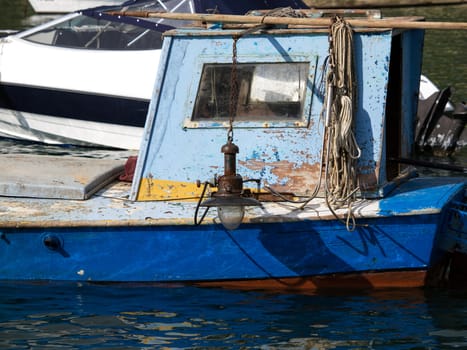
x,y
84,316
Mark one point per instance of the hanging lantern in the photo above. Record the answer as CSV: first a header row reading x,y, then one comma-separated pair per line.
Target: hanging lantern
x,y
229,199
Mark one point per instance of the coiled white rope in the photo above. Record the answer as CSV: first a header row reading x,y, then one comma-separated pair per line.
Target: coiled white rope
x,y
342,148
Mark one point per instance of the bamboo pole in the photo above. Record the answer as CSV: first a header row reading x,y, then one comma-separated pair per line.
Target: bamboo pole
x,y
319,22
379,3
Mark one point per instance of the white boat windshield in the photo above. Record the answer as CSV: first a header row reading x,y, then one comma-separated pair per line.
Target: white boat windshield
x,y
90,33
94,29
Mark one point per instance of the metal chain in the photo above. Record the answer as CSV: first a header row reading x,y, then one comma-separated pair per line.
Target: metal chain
x,y
332,62
233,88
280,12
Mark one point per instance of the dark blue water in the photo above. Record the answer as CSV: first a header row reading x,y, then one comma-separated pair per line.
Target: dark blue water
x,y
84,316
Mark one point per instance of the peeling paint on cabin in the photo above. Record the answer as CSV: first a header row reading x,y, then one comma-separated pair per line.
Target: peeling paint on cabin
x,y
299,179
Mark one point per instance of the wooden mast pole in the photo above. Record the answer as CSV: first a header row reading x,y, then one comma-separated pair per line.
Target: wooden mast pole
x,y
318,22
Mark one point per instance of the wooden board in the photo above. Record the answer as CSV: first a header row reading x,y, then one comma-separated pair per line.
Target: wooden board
x,y
61,177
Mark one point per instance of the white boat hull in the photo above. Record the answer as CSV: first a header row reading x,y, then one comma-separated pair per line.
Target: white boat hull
x,y
53,130
75,82
102,72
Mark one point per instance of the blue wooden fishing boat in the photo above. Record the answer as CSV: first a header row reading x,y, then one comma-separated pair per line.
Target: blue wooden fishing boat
x,y
266,162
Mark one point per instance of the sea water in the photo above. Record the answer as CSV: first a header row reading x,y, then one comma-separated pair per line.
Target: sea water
x,y
125,316
70,315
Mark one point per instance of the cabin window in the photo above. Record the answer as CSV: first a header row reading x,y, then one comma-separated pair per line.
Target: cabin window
x,y
266,92
84,32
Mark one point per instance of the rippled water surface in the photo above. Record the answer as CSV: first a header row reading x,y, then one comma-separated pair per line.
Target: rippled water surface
x,y
85,316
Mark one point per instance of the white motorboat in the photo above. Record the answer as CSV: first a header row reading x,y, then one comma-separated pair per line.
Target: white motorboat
x,y
86,78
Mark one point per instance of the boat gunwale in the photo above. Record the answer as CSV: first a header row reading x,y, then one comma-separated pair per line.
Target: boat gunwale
x,y
269,213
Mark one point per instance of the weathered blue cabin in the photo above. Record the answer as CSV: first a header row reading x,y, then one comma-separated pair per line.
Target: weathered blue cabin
x,y
265,122
279,126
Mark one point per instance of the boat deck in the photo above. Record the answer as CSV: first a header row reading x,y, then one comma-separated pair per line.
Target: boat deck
x,y
42,182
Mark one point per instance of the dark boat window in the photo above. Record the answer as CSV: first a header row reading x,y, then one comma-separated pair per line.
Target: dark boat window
x,y
266,92
89,33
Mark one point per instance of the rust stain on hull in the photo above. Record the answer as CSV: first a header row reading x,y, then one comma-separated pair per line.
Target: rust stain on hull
x,y
367,280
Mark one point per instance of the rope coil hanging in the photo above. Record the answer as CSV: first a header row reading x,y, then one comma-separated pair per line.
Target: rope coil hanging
x,y
342,148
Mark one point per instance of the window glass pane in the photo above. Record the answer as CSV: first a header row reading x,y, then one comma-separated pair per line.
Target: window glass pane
x,y
266,92
90,33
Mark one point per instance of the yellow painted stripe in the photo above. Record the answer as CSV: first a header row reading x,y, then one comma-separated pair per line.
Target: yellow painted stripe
x,y
157,189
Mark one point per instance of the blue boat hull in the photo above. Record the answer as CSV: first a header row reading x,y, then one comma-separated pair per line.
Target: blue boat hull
x,y
210,253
